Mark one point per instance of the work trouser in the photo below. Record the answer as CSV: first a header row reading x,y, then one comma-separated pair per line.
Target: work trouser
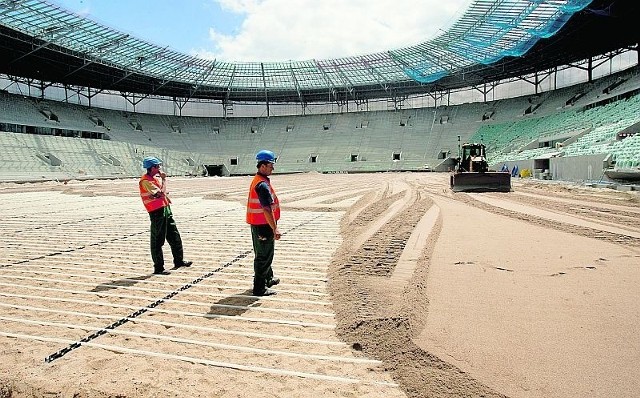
x,y
163,227
263,248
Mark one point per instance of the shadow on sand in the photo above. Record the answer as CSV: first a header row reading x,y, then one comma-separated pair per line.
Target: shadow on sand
x,y
234,305
120,283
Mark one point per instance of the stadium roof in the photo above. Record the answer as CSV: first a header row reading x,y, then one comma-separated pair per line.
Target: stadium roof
x,y
493,40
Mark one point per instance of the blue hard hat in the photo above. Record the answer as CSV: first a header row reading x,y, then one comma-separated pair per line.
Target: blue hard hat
x,y
266,156
150,161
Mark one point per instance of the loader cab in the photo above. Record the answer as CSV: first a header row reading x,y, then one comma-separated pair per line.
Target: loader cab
x,y
473,150
472,158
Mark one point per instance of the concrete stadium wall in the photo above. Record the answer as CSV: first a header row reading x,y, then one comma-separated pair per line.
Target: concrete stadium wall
x,y
573,168
578,168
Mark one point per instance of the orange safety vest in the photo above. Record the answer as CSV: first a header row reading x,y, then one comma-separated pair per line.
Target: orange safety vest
x,y
148,186
255,215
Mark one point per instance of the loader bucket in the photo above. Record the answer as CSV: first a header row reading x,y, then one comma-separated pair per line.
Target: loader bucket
x,y
481,182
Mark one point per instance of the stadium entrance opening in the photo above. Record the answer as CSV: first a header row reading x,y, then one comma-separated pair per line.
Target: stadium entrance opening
x,y
214,170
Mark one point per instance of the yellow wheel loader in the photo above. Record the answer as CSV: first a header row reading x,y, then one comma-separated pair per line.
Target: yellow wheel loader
x,y
472,172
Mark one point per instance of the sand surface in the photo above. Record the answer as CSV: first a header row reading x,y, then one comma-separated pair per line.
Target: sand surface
x,y
392,286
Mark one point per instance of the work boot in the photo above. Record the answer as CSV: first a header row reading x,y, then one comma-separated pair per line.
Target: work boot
x,y
273,282
265,292
161,272
183,264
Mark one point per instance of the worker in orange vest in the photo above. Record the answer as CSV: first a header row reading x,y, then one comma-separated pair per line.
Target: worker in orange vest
x,y
263,213
153,191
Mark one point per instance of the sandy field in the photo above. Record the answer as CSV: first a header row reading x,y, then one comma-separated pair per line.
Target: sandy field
x,y
391,286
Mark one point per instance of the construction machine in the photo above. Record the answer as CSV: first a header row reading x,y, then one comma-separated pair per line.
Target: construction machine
x,y
472,172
